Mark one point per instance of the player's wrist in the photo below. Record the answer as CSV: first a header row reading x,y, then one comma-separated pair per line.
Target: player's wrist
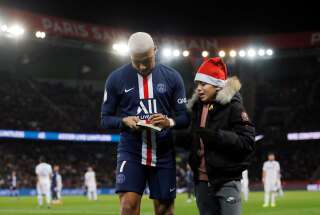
x,y
171,122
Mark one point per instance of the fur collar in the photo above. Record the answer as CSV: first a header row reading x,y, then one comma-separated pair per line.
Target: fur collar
x,y
224,96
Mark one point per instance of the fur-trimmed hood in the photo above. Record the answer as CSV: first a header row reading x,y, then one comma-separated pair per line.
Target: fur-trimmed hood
x,y
224,96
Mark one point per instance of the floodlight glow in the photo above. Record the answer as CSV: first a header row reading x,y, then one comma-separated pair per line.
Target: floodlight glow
x,y
4,28
242,53
205,54
16,30
185,53
261,52
269,52
176,53
251,53
233,53
222,53
122,49
40,34
167,52
115,46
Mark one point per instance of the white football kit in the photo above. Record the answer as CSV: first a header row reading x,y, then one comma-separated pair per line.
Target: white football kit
x,y
44,172
91,184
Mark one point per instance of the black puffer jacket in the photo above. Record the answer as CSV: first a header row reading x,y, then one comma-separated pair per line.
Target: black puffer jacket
x,y
229,136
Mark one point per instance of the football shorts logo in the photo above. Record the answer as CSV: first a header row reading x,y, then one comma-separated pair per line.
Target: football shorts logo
x,y
120,179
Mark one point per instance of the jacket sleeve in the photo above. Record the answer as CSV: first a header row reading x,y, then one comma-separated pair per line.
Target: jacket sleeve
x,y
109,105
181,117
240,138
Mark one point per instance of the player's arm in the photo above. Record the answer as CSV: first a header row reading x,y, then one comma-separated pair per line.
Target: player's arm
x,y
109,120
278,172
109,105
181,118
263,176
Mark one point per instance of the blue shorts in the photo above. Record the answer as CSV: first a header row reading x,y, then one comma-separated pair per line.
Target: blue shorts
x,y
133,177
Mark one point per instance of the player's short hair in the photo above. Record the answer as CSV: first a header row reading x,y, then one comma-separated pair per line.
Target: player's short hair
x,y
140,42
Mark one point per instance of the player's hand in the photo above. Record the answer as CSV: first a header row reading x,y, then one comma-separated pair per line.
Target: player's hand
x,y
131,121
159,120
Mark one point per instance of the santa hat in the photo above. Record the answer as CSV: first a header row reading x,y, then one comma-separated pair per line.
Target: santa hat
x,y
213,71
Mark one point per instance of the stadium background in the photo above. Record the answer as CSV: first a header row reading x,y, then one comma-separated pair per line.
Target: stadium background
x,y
56,84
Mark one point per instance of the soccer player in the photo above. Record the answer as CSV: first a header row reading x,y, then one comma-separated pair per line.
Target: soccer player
x,y
270,179
245,185
13,187
56,186
44,174
91,184
149,92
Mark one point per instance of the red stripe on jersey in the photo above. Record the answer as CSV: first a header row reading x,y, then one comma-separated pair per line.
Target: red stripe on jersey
x,y
149,148
149,145
145,88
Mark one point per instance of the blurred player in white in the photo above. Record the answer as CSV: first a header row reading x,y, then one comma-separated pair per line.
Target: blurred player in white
x,y
56,185
44,174
271,180
14,186
91,184
245,185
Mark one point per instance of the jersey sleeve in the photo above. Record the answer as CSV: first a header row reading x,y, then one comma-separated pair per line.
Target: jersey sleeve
x,y
50,169
181,116
109,105
264,168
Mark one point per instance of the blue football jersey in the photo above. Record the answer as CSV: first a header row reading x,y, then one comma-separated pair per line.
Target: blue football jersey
x,y
127,93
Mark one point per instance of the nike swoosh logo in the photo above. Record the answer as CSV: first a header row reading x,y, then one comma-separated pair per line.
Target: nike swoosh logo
x,y
173,189
126,91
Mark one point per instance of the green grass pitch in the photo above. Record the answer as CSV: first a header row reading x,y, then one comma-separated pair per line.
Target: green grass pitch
x,y
292,203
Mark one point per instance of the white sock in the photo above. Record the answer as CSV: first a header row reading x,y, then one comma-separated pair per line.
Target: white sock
x,y
39,200
48,198
94,195
246,194
273,198
266,198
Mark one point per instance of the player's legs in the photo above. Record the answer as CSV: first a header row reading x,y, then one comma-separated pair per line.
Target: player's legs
x,y
163,207
130,203
162,184
273,199
89,194
94,194
59,194
130,184
245,190
39,194
190,191
47,193
40,200
48,198
266,194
